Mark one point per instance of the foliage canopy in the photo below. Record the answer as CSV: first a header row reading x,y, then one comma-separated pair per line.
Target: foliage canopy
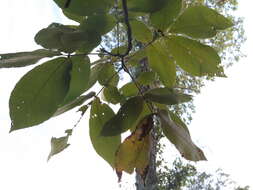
x,y
170,37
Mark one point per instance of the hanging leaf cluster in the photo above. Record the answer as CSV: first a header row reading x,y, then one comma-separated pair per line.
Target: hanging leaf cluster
x,y
170,38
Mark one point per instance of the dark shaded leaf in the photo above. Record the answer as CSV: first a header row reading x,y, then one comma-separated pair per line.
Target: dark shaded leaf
x,y
23,59
192,56
80,74
100,24
105,146
111,95
38,94
108,76
85,8
167,96
94,74
181,138
163,18
147,6
126,118
200,22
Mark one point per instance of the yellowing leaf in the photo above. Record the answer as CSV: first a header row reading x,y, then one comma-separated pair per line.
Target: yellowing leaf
x,y
180,137
134,152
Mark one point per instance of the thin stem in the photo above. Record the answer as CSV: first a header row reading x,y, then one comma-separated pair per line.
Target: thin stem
x,y
136,84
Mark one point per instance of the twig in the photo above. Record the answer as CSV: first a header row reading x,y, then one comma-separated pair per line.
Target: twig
x,y
135,83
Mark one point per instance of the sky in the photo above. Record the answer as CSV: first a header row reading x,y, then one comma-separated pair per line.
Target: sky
x,y
221,126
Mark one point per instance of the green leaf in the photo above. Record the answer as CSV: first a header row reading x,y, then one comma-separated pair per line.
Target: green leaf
x,y
77,102
111,95
141,32
94,74
163,18
162,63
85,8
59,144
50,37
129,89
80,74
192,56
167,96
22,59
105,146
66,38
146,78
126,117
108,76
100,23
74,17
180,137
137,57
119,50
147,6
83,109
200,22
134,152
38,94
177,120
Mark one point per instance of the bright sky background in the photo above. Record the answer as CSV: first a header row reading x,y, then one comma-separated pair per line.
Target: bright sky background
x,y
222,125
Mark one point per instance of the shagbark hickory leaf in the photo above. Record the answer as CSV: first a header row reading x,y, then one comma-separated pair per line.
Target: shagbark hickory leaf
x,y
80,74
59,144
178,121
140,31
108,76
112,95
87,7
105,146
167,96
146,78
134,152
193,57
94,74
163,18
200,22
38,94
162,63
67,39
146,6
77,102
126,117
129,89
22,59
180,137
99,23
74,17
